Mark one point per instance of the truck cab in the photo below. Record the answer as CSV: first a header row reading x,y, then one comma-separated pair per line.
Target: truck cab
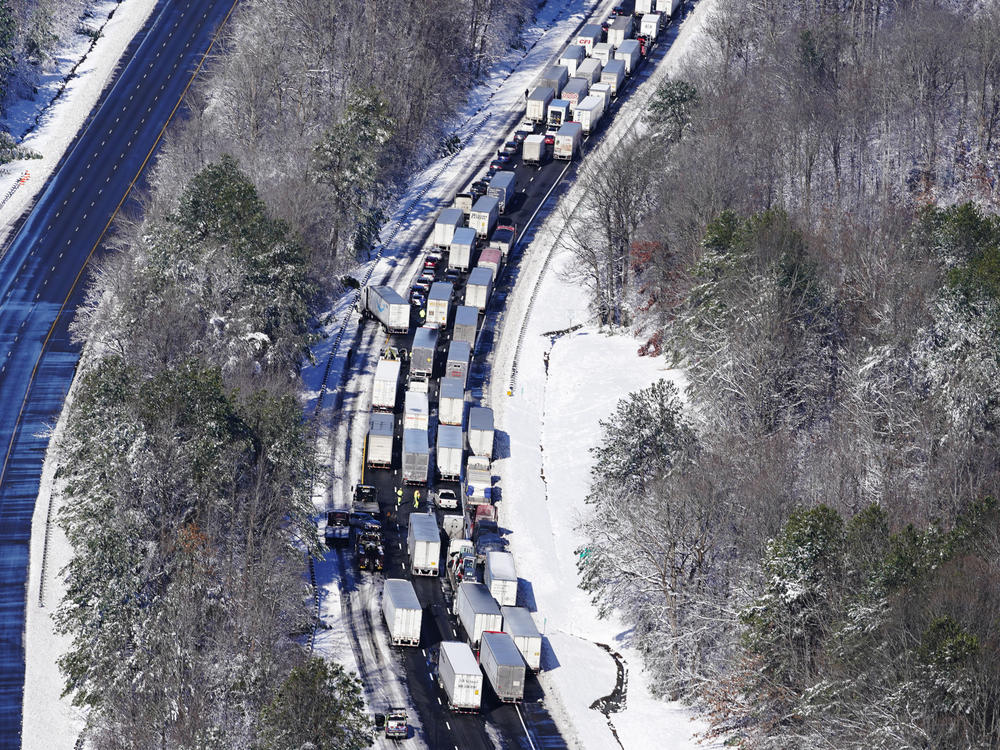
x,y
338,528
397,724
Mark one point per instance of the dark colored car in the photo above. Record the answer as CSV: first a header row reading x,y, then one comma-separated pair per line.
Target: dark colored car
x,y
511,147
520,135
479,188
502,158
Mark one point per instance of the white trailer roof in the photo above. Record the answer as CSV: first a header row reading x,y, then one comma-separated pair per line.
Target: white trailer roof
x,y
381,424
467,315
460,657
486,204
451,216
387,369
466,235
449,436
401,592
459,350
415,441
424,527
425,337
519,622
480,598
501,565
480,418
440,291
503,648
480,277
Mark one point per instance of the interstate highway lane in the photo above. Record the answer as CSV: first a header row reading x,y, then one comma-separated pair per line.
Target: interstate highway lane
x,y
42,279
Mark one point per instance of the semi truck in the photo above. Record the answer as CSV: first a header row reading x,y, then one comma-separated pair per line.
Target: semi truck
x,y
588,36
503,239
558,113
481,431
500,578
438,301
538,103
384,304
416,456
478,288
416,411
503,666
590,70
423,540
451,400
477,483
422,353
604,52
466,324
386,382
461,562
484,215
378,453
476,611
620,30
449,452
569,141
649,26
533,149
520,626
402,612
463,202
571,58
614,75
589,112
457,362
444,228
629,53
491,257
575,90
463,246
602,90
554,77
502,187
460,676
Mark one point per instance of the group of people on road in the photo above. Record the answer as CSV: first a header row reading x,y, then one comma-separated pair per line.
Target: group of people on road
x,y
399,498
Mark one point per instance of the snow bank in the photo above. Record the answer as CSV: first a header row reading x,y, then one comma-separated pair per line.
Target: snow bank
x,y
60,116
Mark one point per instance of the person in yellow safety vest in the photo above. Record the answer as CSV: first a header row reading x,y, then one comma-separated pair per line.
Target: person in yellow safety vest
x,y
416,499
423,313
399,496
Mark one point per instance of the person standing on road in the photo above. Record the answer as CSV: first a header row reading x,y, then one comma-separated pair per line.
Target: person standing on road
x,y
416,499
399,497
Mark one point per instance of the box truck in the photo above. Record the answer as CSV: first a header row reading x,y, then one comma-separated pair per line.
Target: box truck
x,y
589,36
614,75
589,112
500,578
604,52
457,363
644,6
620,30
484,215
444,228
674,5
416,413
449,452
481,431
438,300
503,239
538,103
558,113
477,483
466,324
628,53
533,149
520,626
569,141
571,58
378,451
460,676
416,456
384,304
476,611
385,385
425,341
590,70
402,612
502,187
463,202
503,666
423,540
555,78
478,288
451,400
463,246
575,90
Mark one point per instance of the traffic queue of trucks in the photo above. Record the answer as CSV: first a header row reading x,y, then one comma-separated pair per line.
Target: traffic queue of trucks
x,y
502,640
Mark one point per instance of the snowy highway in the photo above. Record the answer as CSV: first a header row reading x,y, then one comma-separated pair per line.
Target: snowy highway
x,y
42,271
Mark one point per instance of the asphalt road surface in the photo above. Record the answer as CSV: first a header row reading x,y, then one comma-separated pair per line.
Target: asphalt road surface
x,y
42,279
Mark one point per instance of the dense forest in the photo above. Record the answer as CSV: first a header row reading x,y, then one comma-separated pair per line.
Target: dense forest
x,y
188,469
812,528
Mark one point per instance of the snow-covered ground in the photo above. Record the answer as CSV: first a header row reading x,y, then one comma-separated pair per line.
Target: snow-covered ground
x,y
56,114
546,429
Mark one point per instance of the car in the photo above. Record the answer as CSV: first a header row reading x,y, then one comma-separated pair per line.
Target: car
x,y
417,299
520,135
511,147
618,10
503,158
550,139
493,170
420,287
426,277
447,499
430,264
479,187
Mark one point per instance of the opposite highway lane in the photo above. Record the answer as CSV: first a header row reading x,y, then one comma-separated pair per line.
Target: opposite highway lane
x,y
40,286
